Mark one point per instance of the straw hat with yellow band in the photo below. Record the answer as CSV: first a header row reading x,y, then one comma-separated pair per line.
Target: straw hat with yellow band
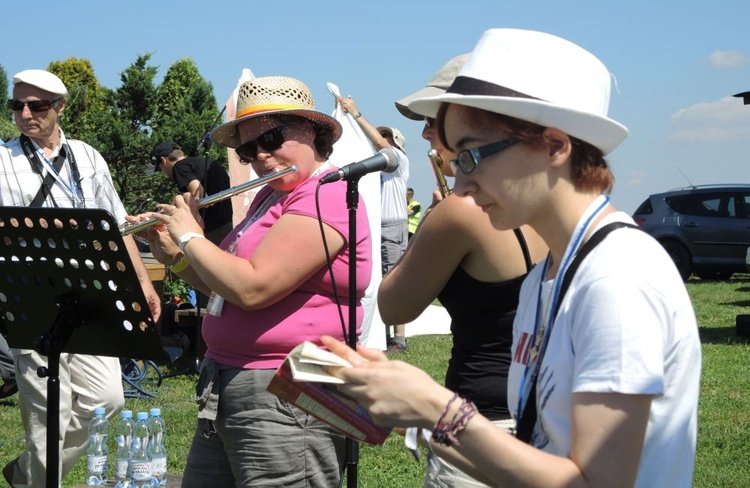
x,y
273,95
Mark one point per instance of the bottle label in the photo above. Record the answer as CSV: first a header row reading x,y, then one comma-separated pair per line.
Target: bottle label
x,y
159,465
96,464
140,470
121,469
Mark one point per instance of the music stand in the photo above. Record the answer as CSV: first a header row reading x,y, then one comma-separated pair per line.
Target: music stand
x,y
67,285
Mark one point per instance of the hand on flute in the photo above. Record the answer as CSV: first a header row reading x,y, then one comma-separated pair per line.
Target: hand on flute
x,y
174,220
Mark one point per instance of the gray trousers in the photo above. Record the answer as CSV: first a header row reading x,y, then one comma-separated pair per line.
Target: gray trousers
x,y
258,440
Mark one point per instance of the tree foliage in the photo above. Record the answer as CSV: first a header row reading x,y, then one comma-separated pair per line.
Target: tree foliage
x,y
85,96
7,128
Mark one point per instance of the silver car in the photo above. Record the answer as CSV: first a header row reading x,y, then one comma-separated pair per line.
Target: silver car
x,y
704,228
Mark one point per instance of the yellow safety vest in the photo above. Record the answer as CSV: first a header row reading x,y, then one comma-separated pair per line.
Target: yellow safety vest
x,y
414,219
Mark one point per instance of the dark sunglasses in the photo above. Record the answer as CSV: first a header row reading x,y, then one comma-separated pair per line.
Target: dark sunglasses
x,y
468,159
34,105
429,122
270,140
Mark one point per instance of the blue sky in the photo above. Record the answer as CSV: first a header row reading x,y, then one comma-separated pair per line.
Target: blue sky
x,y
677,63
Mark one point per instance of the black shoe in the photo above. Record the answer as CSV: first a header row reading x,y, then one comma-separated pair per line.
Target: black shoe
x,y
396,347
9,388
9,473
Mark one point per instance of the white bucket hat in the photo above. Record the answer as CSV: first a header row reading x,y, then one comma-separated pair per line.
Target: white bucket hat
x,y
398,137
539,78
436,86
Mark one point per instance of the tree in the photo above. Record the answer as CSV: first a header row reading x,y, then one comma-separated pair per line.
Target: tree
x,y
85,95
185,109
8,129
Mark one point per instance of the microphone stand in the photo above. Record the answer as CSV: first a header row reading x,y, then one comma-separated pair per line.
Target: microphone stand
x,y
205,142
352,202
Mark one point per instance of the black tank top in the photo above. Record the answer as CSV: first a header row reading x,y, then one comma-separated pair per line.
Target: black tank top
x,y
482,316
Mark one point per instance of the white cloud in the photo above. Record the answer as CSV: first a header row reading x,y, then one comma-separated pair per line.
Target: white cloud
x,y
719,121
727,59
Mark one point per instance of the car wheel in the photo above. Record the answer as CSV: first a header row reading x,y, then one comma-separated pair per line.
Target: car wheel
x,y
715,275
681,258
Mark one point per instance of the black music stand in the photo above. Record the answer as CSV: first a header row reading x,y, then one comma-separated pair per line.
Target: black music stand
x,y
67,285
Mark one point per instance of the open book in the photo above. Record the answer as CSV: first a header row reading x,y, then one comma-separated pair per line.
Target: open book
x,y
303,381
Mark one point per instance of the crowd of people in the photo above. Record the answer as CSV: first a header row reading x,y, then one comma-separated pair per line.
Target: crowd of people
x,y
575,357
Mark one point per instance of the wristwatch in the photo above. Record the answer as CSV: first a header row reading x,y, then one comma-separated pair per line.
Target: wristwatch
x,y
187,237
358,115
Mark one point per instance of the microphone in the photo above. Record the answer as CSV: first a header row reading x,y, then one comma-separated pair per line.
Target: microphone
x,y
385,160
205,142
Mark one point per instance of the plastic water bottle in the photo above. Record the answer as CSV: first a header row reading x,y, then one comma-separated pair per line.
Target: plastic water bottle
x,y
156,447
97,466
124,437
140,464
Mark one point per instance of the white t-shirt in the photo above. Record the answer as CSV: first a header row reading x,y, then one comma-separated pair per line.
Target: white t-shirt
x,y
393,191
625,325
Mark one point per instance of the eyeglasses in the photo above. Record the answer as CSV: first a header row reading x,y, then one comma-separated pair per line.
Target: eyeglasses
x,y
34,105
270,140
468,159
429,122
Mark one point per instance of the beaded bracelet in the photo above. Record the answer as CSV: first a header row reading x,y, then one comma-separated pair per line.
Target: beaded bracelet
x,y
446,433
180,265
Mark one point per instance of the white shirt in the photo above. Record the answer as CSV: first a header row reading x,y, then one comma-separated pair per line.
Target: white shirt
x,y
626,325
19,183
393,191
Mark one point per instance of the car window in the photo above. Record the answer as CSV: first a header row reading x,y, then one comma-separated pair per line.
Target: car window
x,y
744,206
645,208
705,205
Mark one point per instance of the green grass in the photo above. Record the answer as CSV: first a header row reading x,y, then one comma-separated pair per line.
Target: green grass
x,y
724,415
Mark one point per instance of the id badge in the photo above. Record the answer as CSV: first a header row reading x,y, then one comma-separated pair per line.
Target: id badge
x,y
215,305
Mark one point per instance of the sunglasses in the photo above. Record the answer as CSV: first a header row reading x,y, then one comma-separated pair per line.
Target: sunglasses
x,y
34,105
468,159
270,140
429,122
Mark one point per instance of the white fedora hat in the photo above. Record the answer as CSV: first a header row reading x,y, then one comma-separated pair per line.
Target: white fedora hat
x,y
539,78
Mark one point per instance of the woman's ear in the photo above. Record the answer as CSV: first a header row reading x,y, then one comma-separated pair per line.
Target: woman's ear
x,y
558,144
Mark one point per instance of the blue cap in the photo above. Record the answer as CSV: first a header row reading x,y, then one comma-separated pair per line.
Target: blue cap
x,y
142,416
99,411
155,412
127,414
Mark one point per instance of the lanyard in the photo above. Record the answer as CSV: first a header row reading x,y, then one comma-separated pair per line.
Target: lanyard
x,y
73,186
543,322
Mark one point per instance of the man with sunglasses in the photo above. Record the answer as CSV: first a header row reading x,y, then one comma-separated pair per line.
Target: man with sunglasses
x,y
43,168
393,211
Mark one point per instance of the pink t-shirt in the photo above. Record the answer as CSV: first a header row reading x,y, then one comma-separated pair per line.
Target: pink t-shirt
x,y
261,339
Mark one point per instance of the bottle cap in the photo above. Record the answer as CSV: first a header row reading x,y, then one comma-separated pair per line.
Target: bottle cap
x,y
99,411
127,414
156,412
142,416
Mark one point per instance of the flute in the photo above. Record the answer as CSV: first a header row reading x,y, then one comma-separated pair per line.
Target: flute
x,y
437,168
130,228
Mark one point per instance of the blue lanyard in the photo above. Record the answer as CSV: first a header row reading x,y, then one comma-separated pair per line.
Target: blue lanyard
x,y
72,187
541,335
